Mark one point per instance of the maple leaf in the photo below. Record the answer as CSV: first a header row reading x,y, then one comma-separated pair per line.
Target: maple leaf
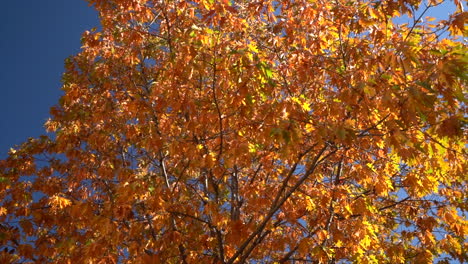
x,y
58,202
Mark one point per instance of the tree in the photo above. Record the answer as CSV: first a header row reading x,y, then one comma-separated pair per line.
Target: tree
x,y
250,132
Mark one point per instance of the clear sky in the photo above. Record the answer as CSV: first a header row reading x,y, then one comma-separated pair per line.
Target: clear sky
x,y
36,37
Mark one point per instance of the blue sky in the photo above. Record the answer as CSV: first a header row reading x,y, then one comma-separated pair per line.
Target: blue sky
x,y
36,38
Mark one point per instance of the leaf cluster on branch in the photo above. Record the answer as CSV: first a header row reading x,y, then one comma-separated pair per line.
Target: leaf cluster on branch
x,y
206,131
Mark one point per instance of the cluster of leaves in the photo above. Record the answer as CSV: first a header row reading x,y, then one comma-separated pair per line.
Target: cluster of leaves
x,y
252,131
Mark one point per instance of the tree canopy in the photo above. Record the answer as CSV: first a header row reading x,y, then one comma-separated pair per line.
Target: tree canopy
x,y
259,131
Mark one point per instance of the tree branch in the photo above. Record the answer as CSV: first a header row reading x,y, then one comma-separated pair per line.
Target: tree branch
x,y
279,202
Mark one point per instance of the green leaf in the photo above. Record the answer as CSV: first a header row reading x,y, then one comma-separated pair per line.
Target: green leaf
x,y
4,180
268,72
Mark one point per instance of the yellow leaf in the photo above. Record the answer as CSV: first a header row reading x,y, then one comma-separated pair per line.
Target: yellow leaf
x,y
309,128
58,202
365,242
373,13
252,148
253,47
310,204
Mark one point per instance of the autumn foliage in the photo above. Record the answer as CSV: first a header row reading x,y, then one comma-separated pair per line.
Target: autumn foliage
x,y
258,131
